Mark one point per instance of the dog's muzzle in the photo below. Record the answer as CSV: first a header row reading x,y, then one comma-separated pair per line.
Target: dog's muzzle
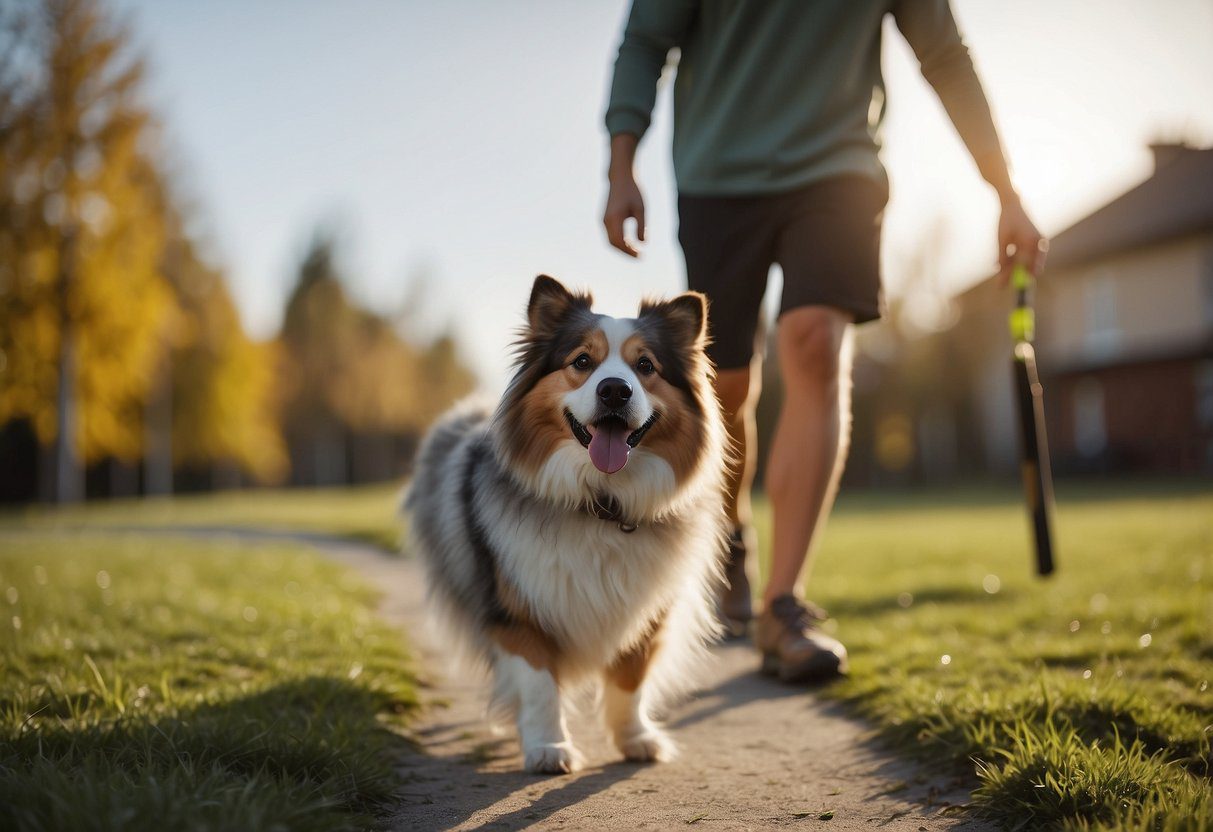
x,y
609,442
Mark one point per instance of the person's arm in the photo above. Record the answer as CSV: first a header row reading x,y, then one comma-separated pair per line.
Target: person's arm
x,y
654,27
624,200
930,29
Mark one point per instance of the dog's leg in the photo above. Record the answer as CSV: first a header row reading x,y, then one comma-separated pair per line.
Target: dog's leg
x,y
541,726
626,711
635,733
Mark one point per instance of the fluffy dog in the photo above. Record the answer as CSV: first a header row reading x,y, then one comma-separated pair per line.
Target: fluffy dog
x,y
573,536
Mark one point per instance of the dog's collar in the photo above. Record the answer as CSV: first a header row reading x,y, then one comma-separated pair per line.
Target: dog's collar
x,y
608,508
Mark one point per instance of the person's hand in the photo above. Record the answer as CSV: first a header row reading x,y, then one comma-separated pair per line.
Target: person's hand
x,y
624,202
1018,241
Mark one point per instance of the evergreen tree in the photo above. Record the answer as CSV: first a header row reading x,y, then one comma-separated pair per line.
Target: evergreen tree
x,y
318,349
351,374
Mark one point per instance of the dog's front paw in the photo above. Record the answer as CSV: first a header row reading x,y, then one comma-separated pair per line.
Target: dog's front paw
x,y
554,758
651,746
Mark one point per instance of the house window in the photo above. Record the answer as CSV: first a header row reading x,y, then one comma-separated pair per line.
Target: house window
x,y
1102,322
1204,394
1209,286
1090,427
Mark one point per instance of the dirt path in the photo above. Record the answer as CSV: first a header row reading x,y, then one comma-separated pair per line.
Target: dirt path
x,y
755,754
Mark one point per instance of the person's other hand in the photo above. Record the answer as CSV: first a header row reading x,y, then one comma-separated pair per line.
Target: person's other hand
x,y
624,202
1018,241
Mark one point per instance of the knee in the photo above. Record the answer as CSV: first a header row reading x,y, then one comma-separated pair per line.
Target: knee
x,y
733,390
810,346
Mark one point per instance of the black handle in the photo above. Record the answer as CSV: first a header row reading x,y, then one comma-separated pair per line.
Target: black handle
x,y
1034,456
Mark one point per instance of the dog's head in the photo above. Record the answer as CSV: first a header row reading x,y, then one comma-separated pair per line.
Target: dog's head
x,y
609,405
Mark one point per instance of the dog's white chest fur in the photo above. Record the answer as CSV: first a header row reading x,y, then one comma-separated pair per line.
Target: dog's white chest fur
x,y
590,584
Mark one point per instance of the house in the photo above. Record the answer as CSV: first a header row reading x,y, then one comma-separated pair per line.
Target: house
x,y
1124,335
1124,342
1127,325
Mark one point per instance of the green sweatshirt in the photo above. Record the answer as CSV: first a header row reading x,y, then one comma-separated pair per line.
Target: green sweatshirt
x,y
774,94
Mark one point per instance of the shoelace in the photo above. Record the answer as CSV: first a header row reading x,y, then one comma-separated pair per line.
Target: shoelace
x,y
800,613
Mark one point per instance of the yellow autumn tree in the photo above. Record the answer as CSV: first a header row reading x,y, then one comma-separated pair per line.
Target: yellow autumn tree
x,y
82,298
220,383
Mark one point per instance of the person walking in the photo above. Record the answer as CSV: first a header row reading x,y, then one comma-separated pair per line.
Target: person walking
x,y
777,109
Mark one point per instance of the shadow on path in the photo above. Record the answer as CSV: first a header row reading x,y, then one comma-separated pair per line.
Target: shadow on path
x,y
755,753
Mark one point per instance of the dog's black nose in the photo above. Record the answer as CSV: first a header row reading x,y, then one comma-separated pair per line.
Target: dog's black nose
x,y
614,392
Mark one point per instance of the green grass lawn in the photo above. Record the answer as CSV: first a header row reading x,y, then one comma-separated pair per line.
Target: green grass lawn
x,y
1079,701
366,513
158,683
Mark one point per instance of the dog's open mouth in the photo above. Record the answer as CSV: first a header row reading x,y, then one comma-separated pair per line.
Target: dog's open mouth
x,y
608,440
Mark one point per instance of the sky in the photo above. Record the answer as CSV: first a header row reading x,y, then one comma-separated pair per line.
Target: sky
x,y
461,142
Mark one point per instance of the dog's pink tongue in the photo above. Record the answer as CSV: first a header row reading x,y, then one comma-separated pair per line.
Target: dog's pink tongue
x,y
609,446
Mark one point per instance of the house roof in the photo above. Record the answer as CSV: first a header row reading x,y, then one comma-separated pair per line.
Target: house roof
x,y
1177,200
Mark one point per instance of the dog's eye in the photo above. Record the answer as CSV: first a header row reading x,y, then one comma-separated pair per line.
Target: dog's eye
x,y
645,366
582,362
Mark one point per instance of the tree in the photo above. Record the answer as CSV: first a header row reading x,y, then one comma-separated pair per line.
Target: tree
x,y
222,383
82,298
316,344
351,379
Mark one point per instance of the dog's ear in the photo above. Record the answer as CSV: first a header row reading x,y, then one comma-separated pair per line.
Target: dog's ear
x,y
550,302
684,318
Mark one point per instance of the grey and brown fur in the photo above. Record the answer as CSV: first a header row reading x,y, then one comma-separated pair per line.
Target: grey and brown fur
x,y
555,574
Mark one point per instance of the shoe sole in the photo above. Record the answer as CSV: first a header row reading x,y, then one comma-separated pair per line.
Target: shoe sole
x,y
820,668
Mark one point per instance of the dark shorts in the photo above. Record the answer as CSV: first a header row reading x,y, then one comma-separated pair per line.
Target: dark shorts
x,y
825,237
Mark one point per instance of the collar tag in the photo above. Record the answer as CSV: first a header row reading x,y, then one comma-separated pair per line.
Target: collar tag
x,y
608,508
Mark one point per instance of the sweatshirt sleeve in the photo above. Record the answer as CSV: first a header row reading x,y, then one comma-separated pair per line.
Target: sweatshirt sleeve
x,y
654,27
930,29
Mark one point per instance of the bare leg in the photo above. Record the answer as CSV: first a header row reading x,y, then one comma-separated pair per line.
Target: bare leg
x,y
738,393
811,439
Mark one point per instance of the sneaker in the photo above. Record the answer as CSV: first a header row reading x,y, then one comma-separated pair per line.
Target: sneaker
x,y
792,647
735,605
